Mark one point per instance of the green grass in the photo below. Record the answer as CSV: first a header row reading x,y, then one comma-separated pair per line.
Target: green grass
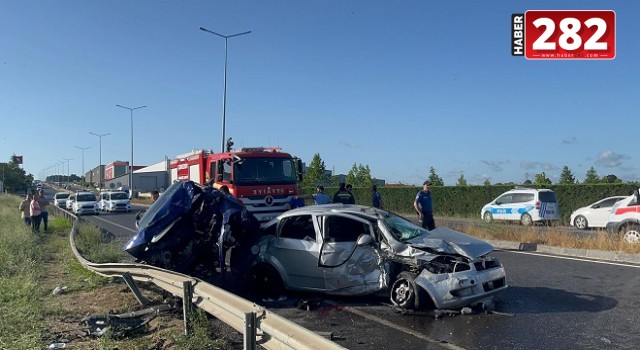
x,y
31,266
19,274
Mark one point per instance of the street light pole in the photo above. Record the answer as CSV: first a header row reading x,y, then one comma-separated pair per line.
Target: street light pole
x,y
224,97
83,175
68,176
60,175
100,166
131,165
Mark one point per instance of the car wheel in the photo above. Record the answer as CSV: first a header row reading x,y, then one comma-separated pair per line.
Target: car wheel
x,y
525,220
405,293
581,222
265,282
487,217
631,233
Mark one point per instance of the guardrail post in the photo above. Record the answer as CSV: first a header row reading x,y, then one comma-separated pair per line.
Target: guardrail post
x,y
134,288
250,331
187,305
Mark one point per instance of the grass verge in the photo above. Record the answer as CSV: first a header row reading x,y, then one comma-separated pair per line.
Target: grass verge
x,y
599,240
32,317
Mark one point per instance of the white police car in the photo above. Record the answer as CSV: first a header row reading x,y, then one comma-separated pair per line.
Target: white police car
x,y
526,205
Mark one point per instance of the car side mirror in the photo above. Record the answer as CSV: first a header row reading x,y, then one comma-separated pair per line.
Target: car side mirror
x,y
364,240
595,206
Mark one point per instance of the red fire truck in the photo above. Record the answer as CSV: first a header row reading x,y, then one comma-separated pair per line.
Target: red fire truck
x,y
264,179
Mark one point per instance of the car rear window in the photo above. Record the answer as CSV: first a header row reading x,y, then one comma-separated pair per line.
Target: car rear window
x,y
86,197
119,195
547,196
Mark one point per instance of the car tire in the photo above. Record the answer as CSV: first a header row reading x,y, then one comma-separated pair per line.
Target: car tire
x,y
580,222
525,220
487,217
631,233
405,293
265,282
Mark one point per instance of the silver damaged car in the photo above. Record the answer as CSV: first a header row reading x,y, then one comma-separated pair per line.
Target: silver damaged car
x,y
356,250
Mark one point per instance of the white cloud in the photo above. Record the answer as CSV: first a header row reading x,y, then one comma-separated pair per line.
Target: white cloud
x,y
610,159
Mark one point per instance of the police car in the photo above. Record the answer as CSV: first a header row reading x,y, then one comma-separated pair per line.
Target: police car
x,y
524,205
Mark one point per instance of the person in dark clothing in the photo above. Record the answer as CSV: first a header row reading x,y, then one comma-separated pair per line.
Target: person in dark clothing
x,y
424,207
44,214
376,198
343,195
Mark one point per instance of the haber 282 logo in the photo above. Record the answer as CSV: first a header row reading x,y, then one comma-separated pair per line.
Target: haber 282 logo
x,y
545,35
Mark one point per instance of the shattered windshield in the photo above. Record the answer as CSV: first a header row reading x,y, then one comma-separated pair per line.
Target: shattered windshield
x,y
401,228
256,171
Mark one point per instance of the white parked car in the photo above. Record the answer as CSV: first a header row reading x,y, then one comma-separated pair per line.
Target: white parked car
x,y
69,203
116,201
60,199
85,203
594,215
624,219
526,205
102,200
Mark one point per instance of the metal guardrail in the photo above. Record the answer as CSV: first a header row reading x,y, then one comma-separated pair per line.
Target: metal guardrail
x,y
271,331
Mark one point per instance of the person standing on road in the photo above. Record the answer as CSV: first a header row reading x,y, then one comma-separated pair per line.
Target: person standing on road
x,y
34,209
349,188
25,210
424,207
154,196
43,202
376,198
343,195
320,197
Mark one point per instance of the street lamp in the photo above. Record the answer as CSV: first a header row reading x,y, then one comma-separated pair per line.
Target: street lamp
x,y
224,98
61,173
83,176
100,169
131,165
68,175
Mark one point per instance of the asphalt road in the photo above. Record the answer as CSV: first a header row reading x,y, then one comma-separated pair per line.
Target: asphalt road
x,y
552,303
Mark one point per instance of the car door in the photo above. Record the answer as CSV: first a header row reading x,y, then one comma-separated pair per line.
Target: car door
x,y
600,212
349,268
297,250
501,210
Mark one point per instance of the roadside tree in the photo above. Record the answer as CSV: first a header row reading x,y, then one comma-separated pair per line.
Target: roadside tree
x,y
591,177
462,181
359,176
434,178
542,180
566,176
316,173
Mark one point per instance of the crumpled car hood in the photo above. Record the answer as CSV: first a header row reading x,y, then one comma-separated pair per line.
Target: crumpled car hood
x,y
448,241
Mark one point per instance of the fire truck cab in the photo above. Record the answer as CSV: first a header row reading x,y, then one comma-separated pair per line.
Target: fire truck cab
x,y
264,179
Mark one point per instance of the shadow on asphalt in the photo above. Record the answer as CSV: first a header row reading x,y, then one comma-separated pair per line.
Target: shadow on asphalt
x,y
535,300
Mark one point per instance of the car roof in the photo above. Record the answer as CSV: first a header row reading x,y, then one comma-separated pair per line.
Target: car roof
x,y
325,209
527,189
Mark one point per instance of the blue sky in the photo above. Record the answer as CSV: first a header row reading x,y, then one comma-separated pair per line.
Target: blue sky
x,y
400,86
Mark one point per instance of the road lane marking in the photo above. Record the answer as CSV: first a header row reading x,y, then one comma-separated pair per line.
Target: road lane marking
x,y
571,258
390,324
